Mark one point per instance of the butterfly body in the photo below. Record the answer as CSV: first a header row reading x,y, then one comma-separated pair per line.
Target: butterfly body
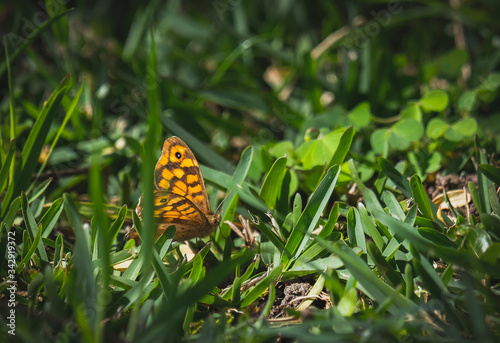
x,y
180,196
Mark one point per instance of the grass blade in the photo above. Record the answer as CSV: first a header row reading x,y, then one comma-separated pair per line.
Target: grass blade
x,y
491,172
395,176
67,117
32,36
34,143
257,291
368,282
420,197
355,231
309,218
272,182
4,172
32,228
343,148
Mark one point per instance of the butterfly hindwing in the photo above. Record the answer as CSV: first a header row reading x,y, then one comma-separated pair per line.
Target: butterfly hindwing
x,y
173,208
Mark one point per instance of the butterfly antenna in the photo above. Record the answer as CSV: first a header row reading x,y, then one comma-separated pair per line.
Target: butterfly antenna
x,y
222,202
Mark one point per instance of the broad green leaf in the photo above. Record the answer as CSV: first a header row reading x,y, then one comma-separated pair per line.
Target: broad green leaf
x,y
409,129
317,152
453,135
103,242
491,83
435,100
412,111
434,162
379,141
360,115
478,241
281,149
467,127
467,101
436,128
451,62
398,142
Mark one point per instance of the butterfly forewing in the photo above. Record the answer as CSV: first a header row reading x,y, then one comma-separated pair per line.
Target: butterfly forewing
x,y
180,195
178,172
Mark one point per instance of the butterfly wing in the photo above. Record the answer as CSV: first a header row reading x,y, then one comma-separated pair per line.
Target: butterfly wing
x,y
180,195
177,172
173,208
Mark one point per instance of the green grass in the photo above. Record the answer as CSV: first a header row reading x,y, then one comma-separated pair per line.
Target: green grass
x,y
347,139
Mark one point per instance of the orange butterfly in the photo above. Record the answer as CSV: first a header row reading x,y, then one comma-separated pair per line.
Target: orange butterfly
x,y
180,197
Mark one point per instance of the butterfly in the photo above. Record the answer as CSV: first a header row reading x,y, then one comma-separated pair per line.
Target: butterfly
x,y
180,197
